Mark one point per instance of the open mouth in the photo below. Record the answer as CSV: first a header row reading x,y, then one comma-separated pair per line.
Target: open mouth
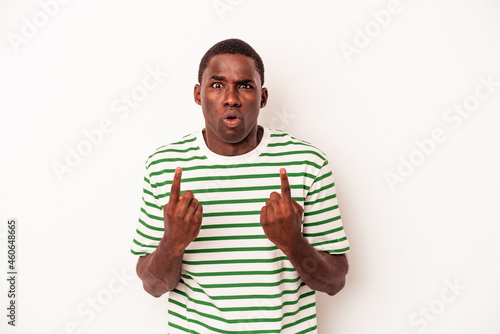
x,y
232,119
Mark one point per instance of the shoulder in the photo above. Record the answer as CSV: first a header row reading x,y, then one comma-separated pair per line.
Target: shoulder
x,y
284,142
180,150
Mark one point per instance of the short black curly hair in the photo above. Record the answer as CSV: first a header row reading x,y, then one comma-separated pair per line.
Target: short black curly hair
x,y
231,46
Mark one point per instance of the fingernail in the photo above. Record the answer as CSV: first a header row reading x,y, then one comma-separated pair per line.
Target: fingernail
x,y
178,170
282,171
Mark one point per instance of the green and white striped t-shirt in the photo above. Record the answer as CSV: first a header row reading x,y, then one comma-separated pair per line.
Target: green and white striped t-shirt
x,y
233,279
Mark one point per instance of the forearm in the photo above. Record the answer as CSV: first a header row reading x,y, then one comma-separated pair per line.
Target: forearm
x,y
160,271
319,270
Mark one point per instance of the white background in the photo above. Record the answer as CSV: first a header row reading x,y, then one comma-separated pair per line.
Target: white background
x,y
437,224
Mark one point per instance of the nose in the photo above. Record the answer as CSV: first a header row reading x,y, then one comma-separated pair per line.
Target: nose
x,y
232,97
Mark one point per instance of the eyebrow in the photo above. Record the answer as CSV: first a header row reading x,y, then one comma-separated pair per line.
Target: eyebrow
x,y
221,78
217,77
245,81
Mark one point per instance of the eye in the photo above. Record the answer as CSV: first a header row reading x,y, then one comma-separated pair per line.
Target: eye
x,y
216,85
245,86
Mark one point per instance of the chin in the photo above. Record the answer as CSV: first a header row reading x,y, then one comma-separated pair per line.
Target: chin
x,y
234,138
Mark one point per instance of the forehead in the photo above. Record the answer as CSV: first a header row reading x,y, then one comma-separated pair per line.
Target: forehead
x,y
232,67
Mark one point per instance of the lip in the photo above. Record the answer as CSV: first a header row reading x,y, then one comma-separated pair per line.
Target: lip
x,y
232,118
232,123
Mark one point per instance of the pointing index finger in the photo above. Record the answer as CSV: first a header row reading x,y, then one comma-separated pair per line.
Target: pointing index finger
x,y
176,186
285,186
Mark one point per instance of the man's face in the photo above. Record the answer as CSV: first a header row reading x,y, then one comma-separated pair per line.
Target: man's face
x,y
230,96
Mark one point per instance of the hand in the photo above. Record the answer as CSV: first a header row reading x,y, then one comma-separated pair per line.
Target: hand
x,y
281,217
182,217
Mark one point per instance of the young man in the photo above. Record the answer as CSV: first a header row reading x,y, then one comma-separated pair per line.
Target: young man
x,y
257,229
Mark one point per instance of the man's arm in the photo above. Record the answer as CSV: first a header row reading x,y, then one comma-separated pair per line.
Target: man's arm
x,y
160,271
281,220
319,270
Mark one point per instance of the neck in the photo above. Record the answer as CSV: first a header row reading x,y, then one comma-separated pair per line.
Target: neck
x,y
248,144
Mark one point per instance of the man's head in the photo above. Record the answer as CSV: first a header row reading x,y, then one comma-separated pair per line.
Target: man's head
x,y
231,46
231,95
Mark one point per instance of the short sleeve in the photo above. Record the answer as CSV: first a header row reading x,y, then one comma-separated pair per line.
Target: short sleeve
x,y
322,224
150,226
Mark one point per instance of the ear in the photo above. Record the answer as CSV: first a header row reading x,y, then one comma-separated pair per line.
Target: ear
x,y
263,97
197,94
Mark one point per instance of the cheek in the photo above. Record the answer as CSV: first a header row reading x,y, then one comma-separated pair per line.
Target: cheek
x,y
253,108
253,100
209,112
